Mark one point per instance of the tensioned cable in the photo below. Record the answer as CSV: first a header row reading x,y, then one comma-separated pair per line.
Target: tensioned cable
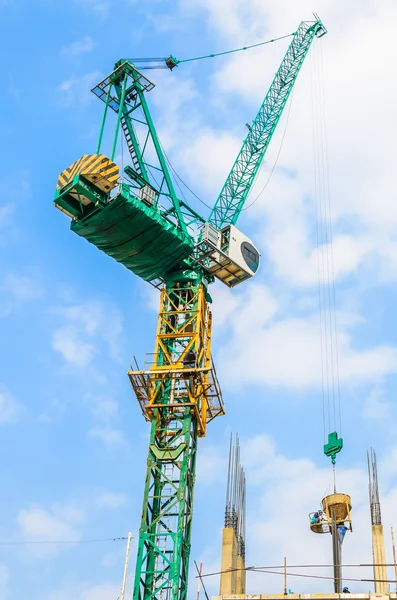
x,y
328,197
298,567
116,539
180,178
201,579
270,571
319,276
162,59
325,259
268,179
282,139
327,241
184,60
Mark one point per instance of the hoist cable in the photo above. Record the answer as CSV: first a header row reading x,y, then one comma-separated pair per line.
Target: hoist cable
x,y
181,180
318,250
331,244
328,231
277,157
330,376
322,249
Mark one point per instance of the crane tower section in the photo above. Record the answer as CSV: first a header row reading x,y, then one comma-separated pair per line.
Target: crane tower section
x,y
179,393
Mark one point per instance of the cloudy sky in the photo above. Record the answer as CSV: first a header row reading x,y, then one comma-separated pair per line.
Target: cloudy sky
x,y
72,440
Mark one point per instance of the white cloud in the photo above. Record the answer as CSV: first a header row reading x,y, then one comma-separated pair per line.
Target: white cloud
x,y
75,351
111,500
83,46
5,215
98,318
55,411
209,466
10,409
76,91
4,581
84,591
59,523
267,344
88,324
104,408
212,152
375,406
107,435
22,288
365,217
388,464
100,8
102,592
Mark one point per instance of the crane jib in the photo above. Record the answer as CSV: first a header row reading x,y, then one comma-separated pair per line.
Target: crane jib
x,y
243,173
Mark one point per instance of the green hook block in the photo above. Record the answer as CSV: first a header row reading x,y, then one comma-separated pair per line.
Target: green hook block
x,y
334,446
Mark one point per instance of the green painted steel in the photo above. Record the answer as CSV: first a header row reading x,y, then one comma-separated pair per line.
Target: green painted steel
x,y
124,92
165,531
136,235
164,536
333,447
119,114
151,239
242,176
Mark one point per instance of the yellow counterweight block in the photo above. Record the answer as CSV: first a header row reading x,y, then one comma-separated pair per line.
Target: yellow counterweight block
x,y
97,168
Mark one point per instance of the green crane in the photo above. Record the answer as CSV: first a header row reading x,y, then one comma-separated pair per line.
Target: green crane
x,y
136,217
238,184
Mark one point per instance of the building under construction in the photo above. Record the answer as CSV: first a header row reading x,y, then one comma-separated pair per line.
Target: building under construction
x,y
334,518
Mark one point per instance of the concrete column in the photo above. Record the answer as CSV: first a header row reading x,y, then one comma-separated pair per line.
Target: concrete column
x,y
240,579
228,561
379,557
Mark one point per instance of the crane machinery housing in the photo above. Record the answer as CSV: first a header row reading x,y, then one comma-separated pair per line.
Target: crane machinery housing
x,y
136,217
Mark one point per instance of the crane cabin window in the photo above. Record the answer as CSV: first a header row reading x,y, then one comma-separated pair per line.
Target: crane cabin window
x,y
250,255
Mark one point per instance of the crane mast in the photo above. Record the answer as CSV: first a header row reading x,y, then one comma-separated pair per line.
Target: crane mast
x,y
239,182
136,218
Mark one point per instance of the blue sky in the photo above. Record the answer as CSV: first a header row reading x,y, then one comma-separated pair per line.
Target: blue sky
x,y
72,438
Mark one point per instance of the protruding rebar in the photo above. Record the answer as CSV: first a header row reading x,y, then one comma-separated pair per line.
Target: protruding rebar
x,y
376,517
236,496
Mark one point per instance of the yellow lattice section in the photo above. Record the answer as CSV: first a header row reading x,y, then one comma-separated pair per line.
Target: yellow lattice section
x,y
180,372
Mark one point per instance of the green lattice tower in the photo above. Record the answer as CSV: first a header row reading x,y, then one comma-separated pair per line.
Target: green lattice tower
x,y
164,535
179,394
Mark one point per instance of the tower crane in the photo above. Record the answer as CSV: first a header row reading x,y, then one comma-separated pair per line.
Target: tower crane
x,y
136,217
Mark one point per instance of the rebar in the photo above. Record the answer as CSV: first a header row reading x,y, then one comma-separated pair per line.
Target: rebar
x,y
376,517
235,509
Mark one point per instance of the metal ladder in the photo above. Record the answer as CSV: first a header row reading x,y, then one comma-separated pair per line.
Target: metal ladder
x,y
130,145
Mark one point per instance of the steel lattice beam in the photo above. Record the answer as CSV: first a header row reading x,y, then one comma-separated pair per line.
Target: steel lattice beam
x,y
241,178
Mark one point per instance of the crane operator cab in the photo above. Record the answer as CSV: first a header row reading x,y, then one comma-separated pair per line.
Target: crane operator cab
x,y
228,254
